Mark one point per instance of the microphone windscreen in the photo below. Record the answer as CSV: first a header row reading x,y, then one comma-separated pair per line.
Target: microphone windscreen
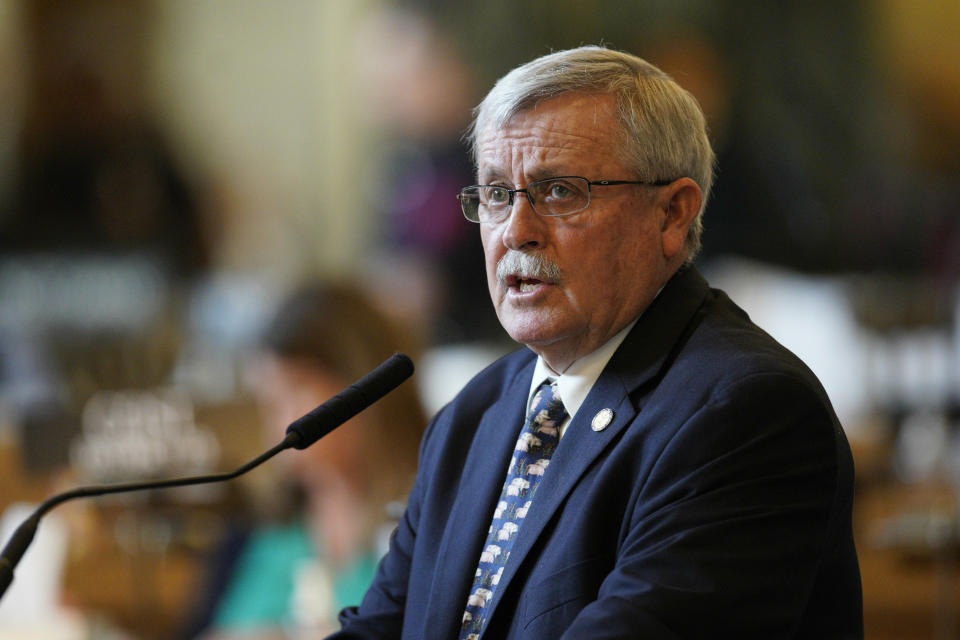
x,y
351,401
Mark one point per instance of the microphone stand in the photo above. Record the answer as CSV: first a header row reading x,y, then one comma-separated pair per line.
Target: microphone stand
x,y
23,536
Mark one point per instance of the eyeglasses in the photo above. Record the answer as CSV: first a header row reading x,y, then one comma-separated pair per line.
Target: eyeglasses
x,y
561,196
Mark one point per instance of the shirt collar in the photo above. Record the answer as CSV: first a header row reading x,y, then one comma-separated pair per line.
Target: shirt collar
x,y
575,383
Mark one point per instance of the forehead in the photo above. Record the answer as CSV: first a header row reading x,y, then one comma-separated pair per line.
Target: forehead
x,y
571,134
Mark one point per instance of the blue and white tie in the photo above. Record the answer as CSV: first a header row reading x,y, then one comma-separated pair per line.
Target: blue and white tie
x,y
531,456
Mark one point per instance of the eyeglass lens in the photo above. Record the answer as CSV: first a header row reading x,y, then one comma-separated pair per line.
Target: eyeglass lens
x,y
549,197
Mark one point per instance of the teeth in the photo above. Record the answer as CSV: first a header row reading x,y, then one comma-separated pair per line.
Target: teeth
x,y
527,286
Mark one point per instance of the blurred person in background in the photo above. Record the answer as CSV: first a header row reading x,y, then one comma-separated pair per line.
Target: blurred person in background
x,y
417,88
101,225
96,173
318,551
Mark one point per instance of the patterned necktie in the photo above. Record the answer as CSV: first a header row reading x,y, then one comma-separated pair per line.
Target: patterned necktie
x,y
537,442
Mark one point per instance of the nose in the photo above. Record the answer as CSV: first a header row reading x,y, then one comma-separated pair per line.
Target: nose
x,y
523,229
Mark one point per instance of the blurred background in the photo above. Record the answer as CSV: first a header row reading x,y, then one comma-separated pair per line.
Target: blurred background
x,y
170,171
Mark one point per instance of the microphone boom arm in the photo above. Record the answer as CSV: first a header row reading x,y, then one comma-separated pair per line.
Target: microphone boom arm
x,y
23,536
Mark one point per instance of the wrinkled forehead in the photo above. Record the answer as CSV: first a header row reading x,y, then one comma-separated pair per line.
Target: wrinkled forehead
x,y
569,130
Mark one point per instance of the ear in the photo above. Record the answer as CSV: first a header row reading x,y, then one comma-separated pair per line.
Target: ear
x,y
680,202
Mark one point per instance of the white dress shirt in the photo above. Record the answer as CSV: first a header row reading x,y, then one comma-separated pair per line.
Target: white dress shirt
x,y
575,383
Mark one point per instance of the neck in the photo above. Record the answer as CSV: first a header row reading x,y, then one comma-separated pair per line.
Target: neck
x,y
339,518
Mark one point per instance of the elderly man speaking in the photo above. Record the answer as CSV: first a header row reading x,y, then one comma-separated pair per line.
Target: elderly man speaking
x,y
652,465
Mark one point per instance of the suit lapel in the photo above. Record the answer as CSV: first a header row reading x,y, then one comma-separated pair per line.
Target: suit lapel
x,y
578,449
466,529
643,354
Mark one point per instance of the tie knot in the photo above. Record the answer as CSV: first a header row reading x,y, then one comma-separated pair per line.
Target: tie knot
x,y
547,408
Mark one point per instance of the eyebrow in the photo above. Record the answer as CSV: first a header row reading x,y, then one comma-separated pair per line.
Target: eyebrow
x,y
538,174
488,176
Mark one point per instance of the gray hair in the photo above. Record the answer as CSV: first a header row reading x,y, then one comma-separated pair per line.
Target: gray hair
x,y
664,130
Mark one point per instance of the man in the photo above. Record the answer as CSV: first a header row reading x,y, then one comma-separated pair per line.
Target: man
x,y
680,474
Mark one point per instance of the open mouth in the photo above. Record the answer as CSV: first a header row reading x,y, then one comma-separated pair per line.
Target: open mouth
x,y
523,284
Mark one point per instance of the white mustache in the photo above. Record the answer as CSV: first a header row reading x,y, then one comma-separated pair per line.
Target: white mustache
x,y
526,265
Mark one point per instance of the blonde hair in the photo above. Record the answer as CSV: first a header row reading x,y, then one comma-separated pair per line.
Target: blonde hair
x,y
664,130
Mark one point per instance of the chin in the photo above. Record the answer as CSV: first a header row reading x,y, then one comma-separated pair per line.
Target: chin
x,y
532,334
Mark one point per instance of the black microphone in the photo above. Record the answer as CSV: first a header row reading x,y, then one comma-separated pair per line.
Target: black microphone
x,y
300,434
351,401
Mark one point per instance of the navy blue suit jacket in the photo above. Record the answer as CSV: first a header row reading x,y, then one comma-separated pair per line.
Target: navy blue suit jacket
x,y
717,503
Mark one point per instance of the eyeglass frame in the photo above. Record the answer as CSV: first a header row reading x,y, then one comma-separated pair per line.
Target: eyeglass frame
x,y
511,194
